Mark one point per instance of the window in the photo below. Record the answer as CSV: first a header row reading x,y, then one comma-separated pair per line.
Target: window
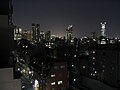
x,y
75,55
93,57
74,79
84,67
93,63
93,51
93,74
60,82
53,83
53,75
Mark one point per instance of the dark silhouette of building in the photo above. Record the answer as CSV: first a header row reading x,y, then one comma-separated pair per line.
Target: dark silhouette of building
x,y
6,32
35,33
104,63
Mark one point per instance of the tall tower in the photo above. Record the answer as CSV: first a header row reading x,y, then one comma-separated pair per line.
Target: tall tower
x,y
35,32
103,29
69,32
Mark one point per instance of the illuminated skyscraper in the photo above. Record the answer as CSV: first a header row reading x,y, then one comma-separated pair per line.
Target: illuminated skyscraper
x,y
17,33
35,33
69,32
103,34
103,29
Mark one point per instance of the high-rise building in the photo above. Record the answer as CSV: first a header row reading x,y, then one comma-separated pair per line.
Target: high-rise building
x,y
18,33
69,32
42,35
35,33
103,29
104,63
48,35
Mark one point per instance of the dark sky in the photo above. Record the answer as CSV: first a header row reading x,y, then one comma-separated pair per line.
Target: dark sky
x,y
56,15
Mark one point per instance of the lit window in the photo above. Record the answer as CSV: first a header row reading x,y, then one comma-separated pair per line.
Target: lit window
x,y
23,46
93,68
93,57
93,63
60,82
95,71
18,69
20,30
16,30
26,46
93,51
103,42
53,83
53,75
83,66
72,65
36,83
75,55
30,72
74,79
93,74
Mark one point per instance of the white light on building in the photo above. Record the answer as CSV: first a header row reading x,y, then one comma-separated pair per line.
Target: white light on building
x,y
93,51
93,74
72,65
74,79
30,72
60,82
53,75
95,71
93,57
36,83
18,69
84,67
75,55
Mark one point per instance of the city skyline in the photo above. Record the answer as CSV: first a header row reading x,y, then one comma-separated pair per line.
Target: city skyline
x,y
84,15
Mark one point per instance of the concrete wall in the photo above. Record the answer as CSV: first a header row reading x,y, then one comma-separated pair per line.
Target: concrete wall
x,y
6,80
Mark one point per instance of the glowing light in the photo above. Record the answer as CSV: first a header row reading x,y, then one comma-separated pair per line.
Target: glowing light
x,y
72,65
18,69
26,46
53,83
53,75
74,79
84,67
60,82
36,83
95,71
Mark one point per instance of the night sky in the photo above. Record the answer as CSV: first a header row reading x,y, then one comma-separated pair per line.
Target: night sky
x,y
56,15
